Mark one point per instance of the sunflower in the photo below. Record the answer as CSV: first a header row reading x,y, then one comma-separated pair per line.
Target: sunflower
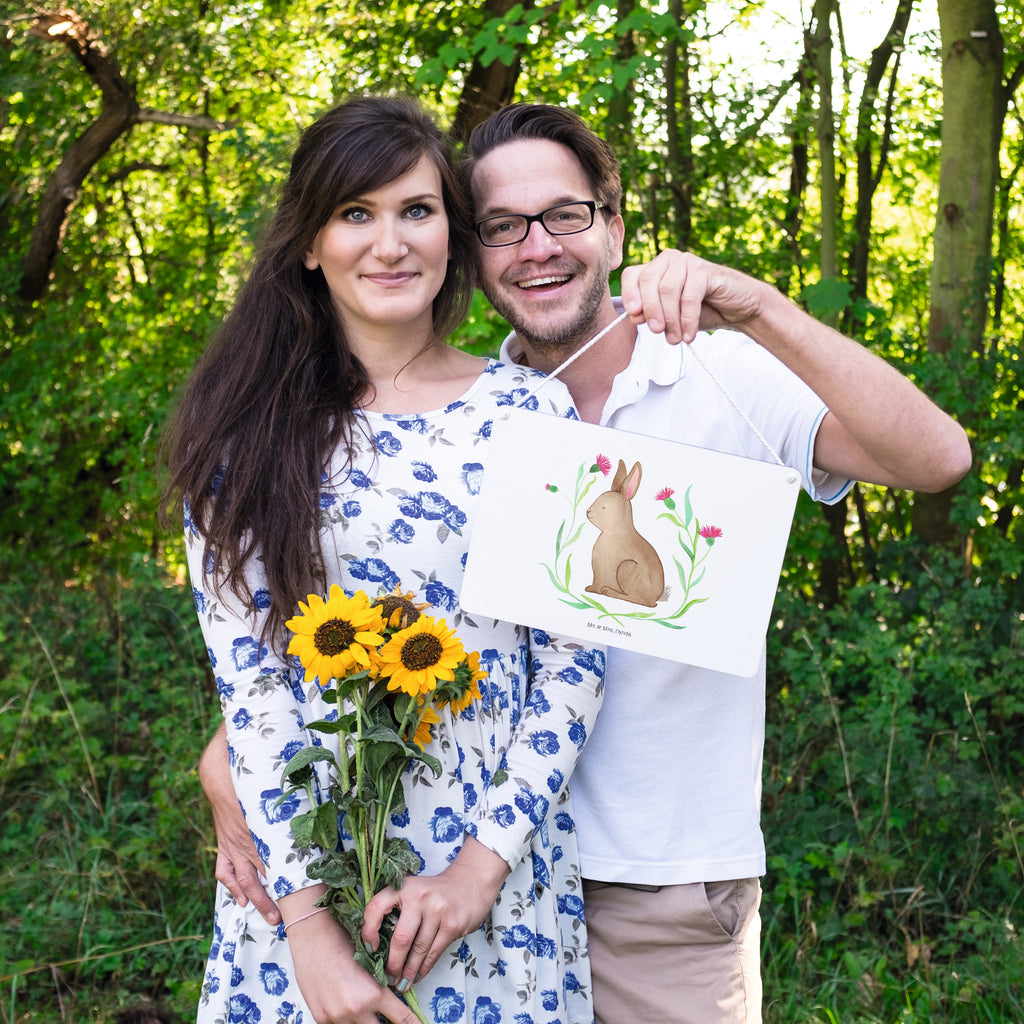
x,y
472,692
417,657
399,609
423,734
332,636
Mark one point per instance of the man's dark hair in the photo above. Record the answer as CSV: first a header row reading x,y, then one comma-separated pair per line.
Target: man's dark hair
x,y
521,121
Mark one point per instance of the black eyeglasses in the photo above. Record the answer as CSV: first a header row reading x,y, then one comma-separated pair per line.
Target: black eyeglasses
x,y
564,219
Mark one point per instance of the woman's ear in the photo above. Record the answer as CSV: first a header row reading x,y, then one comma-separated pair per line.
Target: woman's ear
x,y
309,261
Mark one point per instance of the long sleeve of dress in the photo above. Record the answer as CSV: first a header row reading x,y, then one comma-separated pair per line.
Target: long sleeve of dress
x,y
564,696
263,704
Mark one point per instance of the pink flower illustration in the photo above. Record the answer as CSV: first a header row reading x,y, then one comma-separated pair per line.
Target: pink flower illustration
x,y
604,464
710,534
664,494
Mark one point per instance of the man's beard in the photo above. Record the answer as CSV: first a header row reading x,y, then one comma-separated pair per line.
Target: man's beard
x,y
567,336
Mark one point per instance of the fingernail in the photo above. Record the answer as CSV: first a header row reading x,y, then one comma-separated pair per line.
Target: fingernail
x,y
403,986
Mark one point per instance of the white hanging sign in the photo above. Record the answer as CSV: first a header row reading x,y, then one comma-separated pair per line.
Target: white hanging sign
x,y
630,541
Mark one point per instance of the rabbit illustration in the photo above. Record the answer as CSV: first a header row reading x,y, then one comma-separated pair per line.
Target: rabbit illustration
x,y
625,565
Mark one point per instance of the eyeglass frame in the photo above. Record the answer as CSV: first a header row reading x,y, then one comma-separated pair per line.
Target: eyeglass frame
x,y
531,218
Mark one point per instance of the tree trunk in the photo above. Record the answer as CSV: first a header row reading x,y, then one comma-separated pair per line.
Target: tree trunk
x,y
487,89
869,170
679,132
819,55
117,115
973,105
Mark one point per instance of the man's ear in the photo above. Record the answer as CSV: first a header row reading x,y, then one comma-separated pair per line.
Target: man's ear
x,y
616,236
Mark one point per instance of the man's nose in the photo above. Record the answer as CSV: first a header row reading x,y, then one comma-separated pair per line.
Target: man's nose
x,y
539,244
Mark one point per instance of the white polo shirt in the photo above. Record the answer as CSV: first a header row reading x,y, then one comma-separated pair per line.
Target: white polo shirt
x,y
668,789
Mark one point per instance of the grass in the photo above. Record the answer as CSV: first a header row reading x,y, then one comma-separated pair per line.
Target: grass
x,y
893,809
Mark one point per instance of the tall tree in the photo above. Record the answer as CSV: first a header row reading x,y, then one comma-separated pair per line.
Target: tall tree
x,y
973,106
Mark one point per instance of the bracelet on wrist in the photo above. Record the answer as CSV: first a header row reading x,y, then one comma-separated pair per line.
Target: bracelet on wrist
x,y
305,917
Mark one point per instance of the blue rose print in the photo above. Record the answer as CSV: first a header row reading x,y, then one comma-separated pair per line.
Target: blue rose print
x,y
237,977
351,509
448,1005
415,425
387,444
274,811
290,749
327,501
274,978
564,822
590,660
401,531
455,518
357,478
241,718
570,904
549,999
485,430
546,947
487,1011
573,676
424,472
555,780
518,937
545,742
242,1010
374,570
282,887
246,652
440,596
578,734
541,637
199,599
473,476
505,816
538,701
446,825
541,875
533,805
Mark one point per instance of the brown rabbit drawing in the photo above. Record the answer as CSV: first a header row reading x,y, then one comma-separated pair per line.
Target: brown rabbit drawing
x,y
625,565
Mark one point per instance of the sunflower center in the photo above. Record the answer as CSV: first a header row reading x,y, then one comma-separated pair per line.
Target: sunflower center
x,y
421,651
391,603
334,636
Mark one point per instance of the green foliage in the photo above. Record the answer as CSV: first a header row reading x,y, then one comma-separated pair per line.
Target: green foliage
x,y
107,867
892,804
893,800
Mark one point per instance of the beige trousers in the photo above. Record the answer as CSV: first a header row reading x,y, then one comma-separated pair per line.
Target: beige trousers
x,y
675,954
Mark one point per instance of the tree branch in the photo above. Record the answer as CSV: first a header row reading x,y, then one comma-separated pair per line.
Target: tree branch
x,y
119,112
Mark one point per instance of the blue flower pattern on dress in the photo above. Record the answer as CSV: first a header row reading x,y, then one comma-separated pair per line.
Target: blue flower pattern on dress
x,y
403,514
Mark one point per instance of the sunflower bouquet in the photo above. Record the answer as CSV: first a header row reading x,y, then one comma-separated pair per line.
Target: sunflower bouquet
x,y
390,669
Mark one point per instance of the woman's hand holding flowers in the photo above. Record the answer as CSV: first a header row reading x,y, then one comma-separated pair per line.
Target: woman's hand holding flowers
x,y
435,910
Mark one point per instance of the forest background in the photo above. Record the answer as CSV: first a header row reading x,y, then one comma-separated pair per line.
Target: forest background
x,y
866,158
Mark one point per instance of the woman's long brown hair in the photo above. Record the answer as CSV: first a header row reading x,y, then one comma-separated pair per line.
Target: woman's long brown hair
x,y
273,396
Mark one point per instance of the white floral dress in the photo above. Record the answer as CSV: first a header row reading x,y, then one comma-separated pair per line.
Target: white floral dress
x,y
403,515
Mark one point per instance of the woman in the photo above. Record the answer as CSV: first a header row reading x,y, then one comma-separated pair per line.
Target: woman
x,y
330,436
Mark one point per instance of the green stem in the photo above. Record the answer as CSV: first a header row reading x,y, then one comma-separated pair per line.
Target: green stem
x,y
414,1004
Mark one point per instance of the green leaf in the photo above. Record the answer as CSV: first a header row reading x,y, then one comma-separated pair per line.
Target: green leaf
x,y
299,769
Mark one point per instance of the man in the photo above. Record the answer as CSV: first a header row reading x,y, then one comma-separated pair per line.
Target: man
x,y
667,792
